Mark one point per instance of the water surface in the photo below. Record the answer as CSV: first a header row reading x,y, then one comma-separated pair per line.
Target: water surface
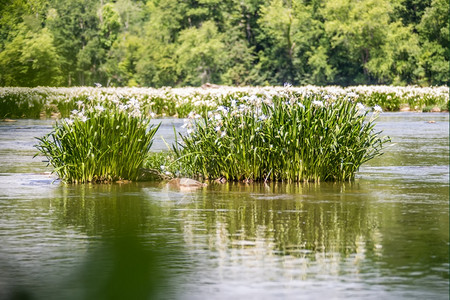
x,y
383,236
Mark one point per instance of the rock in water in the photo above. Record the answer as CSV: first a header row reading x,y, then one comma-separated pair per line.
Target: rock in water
x,y
435,109
185,184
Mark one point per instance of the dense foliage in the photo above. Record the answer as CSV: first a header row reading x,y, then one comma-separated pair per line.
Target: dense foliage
x,y
247,42
283,135
102,142
45,102
288,137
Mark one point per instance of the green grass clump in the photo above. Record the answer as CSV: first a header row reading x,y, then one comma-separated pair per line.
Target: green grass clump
x,y
21,103
103,142
289,137
389,101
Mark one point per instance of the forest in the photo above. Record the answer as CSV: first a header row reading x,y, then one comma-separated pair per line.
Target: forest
x,y
157,43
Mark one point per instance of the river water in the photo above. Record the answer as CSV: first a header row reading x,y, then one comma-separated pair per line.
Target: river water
x,y
383,236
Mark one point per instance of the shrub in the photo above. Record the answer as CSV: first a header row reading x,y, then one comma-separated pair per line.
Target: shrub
x,y
104,142
288,137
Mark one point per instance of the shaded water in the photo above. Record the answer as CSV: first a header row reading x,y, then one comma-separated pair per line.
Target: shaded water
x,y
383,236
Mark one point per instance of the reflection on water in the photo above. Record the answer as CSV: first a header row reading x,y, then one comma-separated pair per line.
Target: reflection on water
x,y
313,236
384,236
88,242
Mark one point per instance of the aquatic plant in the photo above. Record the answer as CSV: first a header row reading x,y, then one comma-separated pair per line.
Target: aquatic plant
x,y
21,103
285,137
392,98
179,102
163,165
101,142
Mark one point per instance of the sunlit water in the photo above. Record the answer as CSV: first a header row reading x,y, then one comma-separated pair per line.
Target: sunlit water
x,y
383,236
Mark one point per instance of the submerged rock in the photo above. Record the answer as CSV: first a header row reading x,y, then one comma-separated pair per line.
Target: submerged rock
x,y
221,180
435,109
185,184
123,181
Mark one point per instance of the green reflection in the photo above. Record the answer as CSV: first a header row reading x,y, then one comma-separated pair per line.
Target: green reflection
x,y
343,221
129,256
297,218
102,209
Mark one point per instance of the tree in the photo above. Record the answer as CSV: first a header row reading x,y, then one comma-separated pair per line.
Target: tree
x,y
120,65
238,60
240,42
30,59
365,34
14,12
279,25
312,45
156,65
434,33
109,26
411,11
199,54
74,23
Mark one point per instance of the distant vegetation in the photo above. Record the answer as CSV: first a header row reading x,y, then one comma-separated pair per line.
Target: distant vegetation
x,y
46,102
247,42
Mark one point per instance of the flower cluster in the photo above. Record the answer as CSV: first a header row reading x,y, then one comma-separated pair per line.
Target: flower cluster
x,y
179,102
287,136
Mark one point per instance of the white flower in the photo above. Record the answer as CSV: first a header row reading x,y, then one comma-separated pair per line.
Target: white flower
x,y
123,107
80,114
190,130
222,109
360,106
218,117
68,121
352,95
317,103
377,109
152,115
74,112
218,128
133,103
84,118
224,133
162,167
301,105
99,108
136,113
